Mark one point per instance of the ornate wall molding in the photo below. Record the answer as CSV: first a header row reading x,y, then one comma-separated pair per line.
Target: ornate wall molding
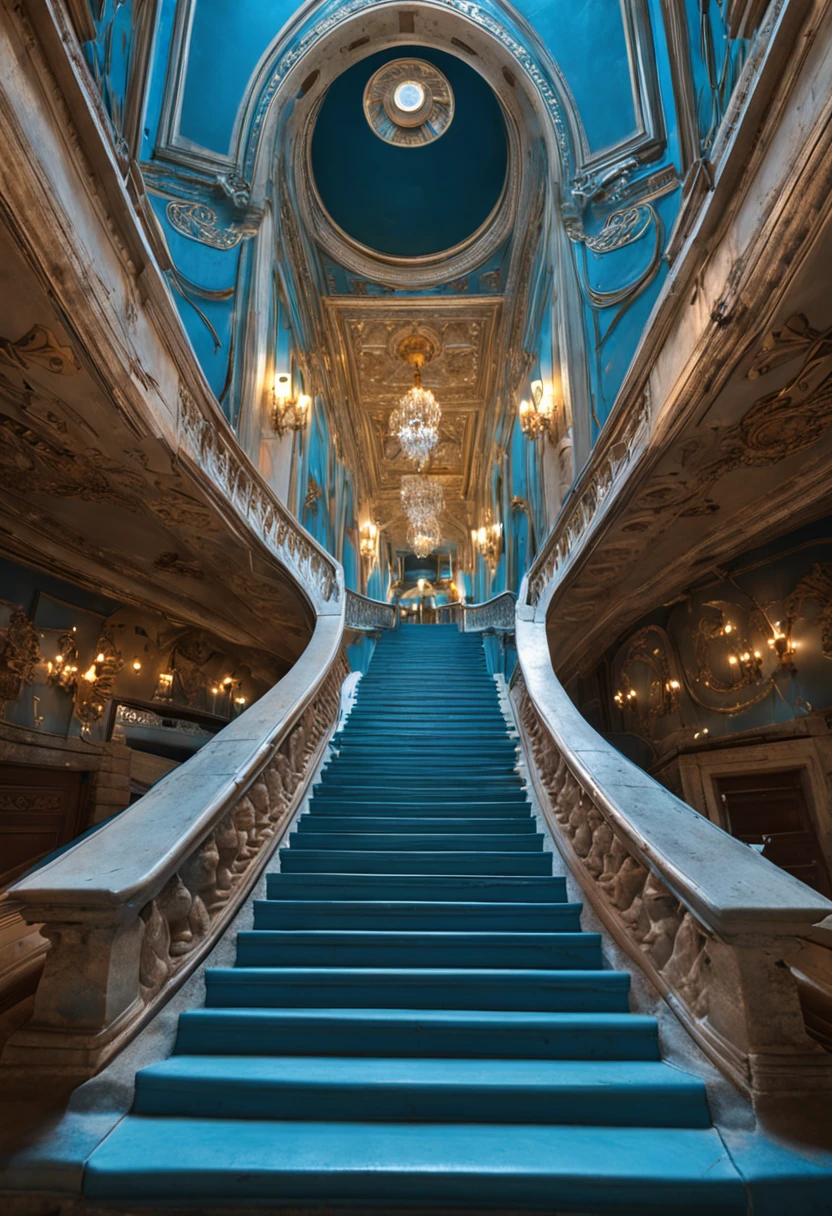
x,y
705,917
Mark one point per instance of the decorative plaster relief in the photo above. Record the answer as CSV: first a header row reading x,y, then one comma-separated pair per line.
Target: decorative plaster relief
x,y
201,223
19,652
39,346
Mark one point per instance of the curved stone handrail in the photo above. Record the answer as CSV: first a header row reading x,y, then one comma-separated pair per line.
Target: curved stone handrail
x,y
366,615
709,920
131,910
494,614
206,440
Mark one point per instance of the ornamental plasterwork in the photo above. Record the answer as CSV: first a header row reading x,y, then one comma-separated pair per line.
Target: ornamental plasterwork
x,y
463,332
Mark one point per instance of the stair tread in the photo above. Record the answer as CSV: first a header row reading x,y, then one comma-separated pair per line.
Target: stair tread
x,y
483,1075
551,1167
386,1070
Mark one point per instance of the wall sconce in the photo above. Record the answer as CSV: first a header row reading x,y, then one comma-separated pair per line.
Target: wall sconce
x,y
782,645
288,413
136,665
487,542
62,671
368,544
538,415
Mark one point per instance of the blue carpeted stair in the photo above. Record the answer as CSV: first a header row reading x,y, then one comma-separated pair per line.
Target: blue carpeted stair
x,y
416,1019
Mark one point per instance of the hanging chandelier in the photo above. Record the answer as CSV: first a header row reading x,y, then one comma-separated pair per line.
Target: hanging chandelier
x,y
423,538
415,422
423,498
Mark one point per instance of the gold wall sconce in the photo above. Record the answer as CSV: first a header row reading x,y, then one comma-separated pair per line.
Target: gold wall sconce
x,y
537,415
289,413
368,541
487,541
783,646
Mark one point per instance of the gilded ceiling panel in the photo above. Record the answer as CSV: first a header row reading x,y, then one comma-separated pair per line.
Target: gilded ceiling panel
x,y
462,333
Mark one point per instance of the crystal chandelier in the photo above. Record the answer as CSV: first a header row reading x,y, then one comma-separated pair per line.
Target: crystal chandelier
x,y
423,538
423,498
415,423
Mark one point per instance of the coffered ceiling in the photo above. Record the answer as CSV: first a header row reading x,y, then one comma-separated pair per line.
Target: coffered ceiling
x,y
464,333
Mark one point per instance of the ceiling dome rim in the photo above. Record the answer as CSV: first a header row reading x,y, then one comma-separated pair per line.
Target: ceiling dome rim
x,y
423,271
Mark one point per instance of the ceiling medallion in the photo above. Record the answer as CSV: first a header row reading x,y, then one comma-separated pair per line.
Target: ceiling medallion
x,y
409,103
415,423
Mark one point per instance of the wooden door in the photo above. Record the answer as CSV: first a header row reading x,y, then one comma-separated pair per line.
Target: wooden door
x,y
770,810
40,809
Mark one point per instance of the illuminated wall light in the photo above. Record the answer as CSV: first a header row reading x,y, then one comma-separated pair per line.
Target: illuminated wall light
x,y
137,664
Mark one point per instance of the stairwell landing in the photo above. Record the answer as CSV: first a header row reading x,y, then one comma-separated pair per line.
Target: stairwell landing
x,y
416,1019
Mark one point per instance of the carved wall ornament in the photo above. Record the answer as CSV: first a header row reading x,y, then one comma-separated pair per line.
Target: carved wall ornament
x,y
19,651
171,563
622,228
817,585
313,495
199,222
39,346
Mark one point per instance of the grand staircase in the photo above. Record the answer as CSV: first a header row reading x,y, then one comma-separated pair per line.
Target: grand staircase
x,y
416,1019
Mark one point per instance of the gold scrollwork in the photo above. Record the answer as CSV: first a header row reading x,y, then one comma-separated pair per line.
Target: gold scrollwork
x,y
19,651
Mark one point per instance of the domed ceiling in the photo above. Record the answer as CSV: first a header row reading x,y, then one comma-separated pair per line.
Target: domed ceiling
x,y
417,199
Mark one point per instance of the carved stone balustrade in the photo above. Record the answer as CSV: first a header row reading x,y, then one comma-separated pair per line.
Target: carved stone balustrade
x,y
710,921
368,616
130,910
493,616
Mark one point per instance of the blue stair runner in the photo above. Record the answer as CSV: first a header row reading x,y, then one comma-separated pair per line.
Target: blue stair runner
x,y
417,1019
